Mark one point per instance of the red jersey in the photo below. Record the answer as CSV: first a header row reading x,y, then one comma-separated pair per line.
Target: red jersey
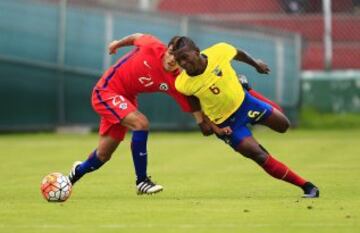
x,y
141,71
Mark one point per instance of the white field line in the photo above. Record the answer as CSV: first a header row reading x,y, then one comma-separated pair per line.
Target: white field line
x,y
179,226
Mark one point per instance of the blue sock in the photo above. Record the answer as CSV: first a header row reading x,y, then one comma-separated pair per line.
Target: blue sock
x,y
91,164
139,153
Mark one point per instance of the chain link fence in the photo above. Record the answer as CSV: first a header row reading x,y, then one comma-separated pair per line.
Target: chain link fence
x,y
53,51
304,17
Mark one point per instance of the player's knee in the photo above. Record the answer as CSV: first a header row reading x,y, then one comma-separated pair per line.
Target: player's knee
x,y
280,123
141,124
284,126
138,123
256,154
259,156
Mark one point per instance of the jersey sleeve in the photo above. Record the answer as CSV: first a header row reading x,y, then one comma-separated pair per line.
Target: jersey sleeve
x,y
147,39
180,84
226,50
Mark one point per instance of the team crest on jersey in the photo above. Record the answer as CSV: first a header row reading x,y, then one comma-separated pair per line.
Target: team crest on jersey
x,y
217,71
119,100
163,87
123,106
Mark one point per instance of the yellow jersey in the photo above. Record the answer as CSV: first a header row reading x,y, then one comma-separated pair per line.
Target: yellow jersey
x,y
218,88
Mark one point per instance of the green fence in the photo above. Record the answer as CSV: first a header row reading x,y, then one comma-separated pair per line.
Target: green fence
x,y
43,98
331,92
51,56
40,98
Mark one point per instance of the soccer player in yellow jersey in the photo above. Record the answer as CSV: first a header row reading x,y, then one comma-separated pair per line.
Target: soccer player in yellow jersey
x,y
209,76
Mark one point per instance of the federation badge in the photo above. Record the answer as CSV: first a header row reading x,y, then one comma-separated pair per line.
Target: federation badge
x,y
217,71
163,87
123,106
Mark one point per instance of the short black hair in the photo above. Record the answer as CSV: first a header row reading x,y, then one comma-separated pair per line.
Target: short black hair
x,y
179,42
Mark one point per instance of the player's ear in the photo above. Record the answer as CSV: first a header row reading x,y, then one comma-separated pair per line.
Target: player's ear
x,y
197,49
170,49
175,54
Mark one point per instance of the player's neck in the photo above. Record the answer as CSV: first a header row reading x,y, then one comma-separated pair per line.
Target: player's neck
x,y
202,67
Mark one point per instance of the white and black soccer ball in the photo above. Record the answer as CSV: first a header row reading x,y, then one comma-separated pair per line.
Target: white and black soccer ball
x,y
55,187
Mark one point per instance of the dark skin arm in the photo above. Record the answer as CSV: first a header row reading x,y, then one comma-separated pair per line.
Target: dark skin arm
x,y
206,126
216,129
259,65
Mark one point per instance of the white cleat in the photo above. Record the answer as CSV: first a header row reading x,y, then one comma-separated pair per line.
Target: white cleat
x,y
72,175
148,187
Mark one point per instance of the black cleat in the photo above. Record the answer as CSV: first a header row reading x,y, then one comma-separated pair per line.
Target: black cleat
x,y
310,190
146,186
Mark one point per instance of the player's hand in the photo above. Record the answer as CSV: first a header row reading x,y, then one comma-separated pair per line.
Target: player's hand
x,y
113,46
205,128
223,131
262,68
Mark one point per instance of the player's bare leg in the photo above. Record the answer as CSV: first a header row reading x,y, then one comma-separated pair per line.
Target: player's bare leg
x,y
136,121
139,124
280,123
277,121
251,149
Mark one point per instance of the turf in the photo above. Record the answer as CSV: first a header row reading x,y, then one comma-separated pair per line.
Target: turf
x,y
208,188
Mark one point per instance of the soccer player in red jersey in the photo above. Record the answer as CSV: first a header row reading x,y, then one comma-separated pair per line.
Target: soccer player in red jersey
x,y
149,67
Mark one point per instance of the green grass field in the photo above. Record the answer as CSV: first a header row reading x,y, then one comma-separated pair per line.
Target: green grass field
x,y
208,187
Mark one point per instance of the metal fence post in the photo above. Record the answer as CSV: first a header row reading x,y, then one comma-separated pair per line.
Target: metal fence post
x,y
61,62
109,35
327,34
280,68
184,26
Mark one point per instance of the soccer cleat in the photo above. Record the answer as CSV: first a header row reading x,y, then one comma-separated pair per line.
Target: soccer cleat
x,y
72,175
310,190
244,82
146,186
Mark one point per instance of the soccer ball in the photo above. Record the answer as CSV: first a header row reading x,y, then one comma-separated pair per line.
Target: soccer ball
x,y
56,187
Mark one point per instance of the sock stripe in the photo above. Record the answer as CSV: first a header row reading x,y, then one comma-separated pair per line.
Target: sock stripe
x,y
280,171
287,171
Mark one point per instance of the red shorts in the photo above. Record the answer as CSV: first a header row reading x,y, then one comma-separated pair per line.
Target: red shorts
x,y
112,108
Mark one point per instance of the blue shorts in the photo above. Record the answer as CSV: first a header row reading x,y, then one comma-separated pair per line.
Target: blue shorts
x,y
251,111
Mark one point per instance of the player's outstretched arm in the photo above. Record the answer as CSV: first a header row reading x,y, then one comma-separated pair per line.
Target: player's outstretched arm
x,y
125,41
194,103
259,65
